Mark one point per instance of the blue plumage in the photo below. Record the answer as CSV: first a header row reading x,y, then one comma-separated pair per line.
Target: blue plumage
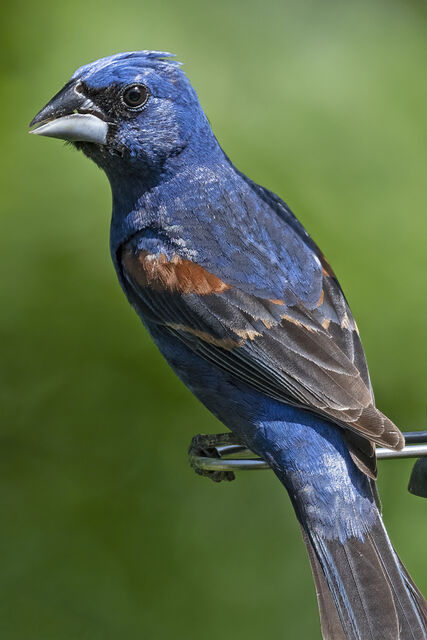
x,y
311,450
248,312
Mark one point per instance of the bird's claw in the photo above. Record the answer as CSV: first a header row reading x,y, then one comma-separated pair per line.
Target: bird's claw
x,y
205,446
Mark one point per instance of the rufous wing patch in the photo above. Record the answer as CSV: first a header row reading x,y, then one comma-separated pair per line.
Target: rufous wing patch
x,y
325,323
175,275
224,343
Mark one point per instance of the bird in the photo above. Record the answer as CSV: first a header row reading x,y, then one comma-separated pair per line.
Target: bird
x,y
250,315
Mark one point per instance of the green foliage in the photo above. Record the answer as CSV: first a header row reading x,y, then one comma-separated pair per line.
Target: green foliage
x,y
106,532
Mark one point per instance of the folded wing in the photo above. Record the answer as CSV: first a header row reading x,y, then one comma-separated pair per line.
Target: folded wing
x,y
312,358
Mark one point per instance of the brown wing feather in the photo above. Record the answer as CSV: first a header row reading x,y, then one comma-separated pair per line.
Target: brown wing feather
x,y
311,358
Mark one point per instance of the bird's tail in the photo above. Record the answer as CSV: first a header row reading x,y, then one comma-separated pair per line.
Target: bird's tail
x,y
363,590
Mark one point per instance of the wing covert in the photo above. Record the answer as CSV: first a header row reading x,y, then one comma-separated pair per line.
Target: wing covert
x,y
311,358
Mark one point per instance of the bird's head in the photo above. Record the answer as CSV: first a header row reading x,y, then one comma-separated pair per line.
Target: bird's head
x,y
135,109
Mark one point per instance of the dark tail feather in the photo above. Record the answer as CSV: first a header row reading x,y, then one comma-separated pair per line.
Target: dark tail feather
x,y
416,594
329,619
363,590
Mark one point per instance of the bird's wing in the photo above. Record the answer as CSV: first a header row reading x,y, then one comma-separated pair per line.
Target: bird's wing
x,y
312,358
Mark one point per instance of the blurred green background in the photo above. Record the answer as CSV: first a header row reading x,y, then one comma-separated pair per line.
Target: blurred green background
x,y
105,531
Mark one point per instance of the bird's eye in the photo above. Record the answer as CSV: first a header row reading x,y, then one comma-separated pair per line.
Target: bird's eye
x,y
136,95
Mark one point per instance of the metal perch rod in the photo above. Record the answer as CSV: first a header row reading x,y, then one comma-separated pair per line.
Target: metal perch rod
x,y
209,452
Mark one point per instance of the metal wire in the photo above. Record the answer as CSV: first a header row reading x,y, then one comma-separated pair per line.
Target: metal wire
x,y
205,447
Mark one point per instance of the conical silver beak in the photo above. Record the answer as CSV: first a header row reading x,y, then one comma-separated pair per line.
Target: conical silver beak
x,y
62,117
77,127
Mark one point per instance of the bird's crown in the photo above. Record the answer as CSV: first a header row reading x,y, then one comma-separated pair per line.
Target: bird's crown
x,y
165,73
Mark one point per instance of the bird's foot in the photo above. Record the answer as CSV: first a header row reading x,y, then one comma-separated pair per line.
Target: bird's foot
x,y
205,446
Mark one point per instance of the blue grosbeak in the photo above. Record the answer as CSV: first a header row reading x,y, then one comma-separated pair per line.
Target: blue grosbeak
x,y
249,314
